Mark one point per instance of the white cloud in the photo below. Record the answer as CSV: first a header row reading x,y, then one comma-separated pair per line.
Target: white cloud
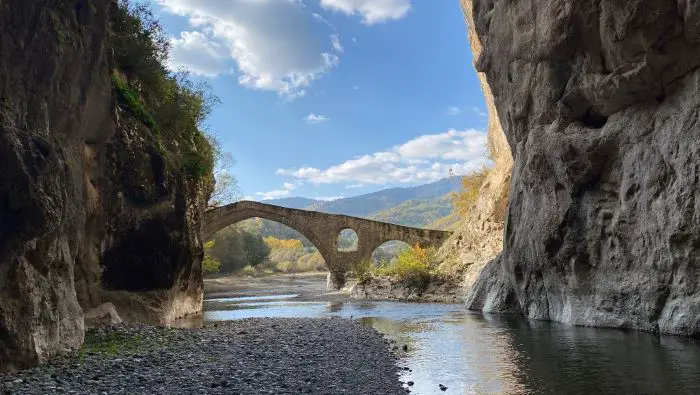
x,y
454,110
354,40
372,11
478,111
423,159
195,52
273,194
328,198
287,187
277,45
354,186
335,41
355,87
315,118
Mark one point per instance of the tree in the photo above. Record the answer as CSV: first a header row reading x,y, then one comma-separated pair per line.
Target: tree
x,y
236,249
209,263
255,248
226,185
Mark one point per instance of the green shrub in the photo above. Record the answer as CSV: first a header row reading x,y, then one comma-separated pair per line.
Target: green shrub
x,y
130,101
248,270
209,263
194,164
284,267
140,45
363,270
414,265
169,104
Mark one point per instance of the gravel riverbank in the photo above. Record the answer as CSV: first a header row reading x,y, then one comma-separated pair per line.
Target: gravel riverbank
x,y
251,356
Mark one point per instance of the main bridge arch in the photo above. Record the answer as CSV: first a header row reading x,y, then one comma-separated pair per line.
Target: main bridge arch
x,y
322,230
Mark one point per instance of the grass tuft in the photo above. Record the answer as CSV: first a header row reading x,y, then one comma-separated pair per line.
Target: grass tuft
x,y
130,101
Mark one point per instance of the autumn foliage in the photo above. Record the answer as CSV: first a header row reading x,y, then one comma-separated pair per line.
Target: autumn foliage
x,y
465,199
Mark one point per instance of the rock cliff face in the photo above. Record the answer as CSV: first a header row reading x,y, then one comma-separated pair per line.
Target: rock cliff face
x,y
599,101
89,213
480,238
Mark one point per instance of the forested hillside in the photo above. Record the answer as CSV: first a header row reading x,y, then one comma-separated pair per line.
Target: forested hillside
x,y
418,213
370,204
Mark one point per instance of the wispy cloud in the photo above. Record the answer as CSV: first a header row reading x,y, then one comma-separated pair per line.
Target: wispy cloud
x,y
328,198
371,11
315,118
454,110
478,111
335,41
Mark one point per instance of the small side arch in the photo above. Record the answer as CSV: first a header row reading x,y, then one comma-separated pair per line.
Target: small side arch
x,y
347,240
388,251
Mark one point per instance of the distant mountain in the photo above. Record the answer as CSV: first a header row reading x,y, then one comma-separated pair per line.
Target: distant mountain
x,y
367,204
293,202
417,213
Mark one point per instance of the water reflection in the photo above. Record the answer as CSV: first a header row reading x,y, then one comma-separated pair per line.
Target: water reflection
x,y
555,358
398,331
499,354
334,307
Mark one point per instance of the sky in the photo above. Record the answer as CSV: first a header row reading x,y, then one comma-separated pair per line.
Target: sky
x,y
334,98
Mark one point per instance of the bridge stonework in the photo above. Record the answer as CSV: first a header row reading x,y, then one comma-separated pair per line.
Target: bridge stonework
x,y
323,230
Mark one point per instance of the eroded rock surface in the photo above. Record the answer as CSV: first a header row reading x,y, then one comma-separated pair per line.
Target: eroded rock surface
x,y
480,237
102,315
386,288
599,102
81,188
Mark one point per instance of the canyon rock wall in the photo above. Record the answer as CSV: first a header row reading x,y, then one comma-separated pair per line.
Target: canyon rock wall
x,y
599,101
480,237
89,213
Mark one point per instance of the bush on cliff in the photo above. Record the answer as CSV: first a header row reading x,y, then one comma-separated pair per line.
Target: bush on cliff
x,y
465,198
169,104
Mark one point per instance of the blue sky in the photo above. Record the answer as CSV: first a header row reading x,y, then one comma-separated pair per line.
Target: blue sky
x,y
332,98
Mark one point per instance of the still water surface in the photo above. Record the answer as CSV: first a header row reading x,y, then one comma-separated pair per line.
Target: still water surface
x,y
491,354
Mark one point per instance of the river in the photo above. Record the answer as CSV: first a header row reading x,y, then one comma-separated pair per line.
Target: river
x,y
473,353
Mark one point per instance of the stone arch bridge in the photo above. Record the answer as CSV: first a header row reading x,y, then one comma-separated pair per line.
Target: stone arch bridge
x,y
323,230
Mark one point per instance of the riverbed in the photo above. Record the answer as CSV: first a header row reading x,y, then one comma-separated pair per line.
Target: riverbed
x,y
473,353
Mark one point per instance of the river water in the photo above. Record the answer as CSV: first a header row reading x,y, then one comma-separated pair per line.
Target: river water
x,y
473,353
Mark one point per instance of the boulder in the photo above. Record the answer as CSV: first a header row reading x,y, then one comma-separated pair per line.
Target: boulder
x,y
104,314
